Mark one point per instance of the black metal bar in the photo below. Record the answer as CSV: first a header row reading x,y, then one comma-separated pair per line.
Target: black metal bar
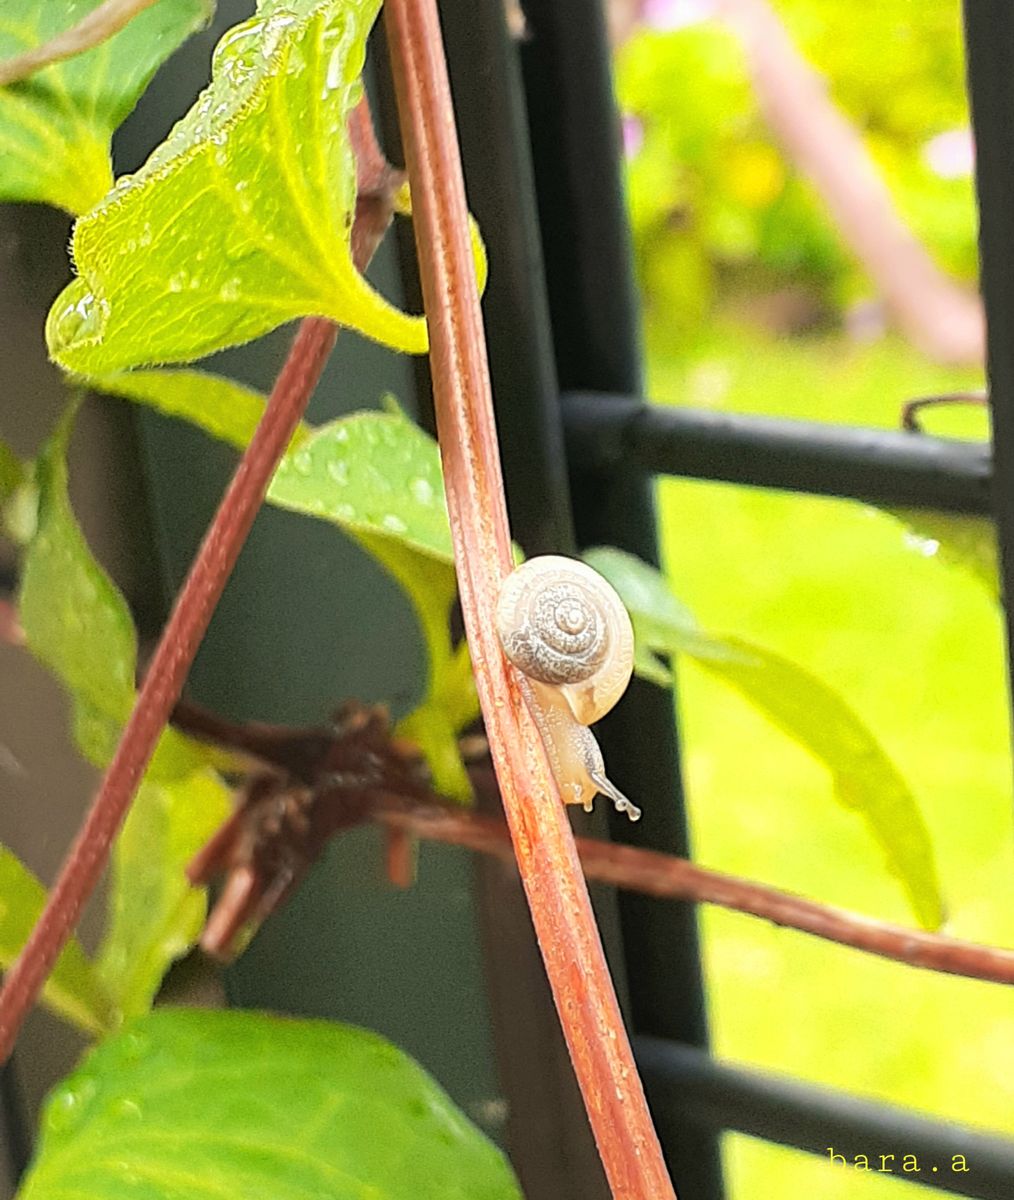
x,y
879,466
492,126
548,1135
15,1138
989,37
694,1087
574,132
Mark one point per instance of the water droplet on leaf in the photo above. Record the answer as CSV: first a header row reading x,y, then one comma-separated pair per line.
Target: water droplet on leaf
x,y
422,490
339,471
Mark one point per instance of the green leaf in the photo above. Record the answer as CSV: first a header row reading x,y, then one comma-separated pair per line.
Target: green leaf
x,y
802,706
223,408
155,916
375,474
968,543
55,127
78,625
204,1105
73,990
241,219
378,477
403,206
75,620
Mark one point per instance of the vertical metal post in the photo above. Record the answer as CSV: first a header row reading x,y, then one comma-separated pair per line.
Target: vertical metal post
x,y
989,35
14,1137
575,143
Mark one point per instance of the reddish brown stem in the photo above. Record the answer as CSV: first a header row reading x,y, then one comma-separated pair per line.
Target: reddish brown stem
x,y
11,633
383,781
543,842
163,683
92,30
399,857
669,878
191,613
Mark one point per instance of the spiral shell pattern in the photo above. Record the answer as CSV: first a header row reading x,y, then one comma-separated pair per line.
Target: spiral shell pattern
x,y
562,624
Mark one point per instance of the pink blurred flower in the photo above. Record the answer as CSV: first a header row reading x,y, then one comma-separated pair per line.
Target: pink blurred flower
x,y
951,155
632,132
666,15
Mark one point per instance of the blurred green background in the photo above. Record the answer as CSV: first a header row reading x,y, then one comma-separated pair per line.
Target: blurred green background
x,y
753,304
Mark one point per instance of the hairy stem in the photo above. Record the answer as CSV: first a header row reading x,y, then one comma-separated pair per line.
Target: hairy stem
x,y
543,842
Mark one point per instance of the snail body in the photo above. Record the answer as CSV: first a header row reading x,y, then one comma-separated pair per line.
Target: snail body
x,y
566,631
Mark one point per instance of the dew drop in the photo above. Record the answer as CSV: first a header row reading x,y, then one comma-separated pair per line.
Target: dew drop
x,y
926,546
86,588
333,77
422,490
81,320
339,471
67,1107
394,523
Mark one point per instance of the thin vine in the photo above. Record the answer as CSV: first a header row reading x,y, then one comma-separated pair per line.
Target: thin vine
x,y
543,841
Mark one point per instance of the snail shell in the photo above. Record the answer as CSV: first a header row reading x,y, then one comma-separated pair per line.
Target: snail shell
x,y
566,630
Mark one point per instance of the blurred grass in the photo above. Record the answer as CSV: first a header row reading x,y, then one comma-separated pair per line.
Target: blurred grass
x,y
916,647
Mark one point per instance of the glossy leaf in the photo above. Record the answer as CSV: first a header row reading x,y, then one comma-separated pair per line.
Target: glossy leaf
x,y
801,705
203,1105
968,543
78,625
241,219
55,127
73,989
377,476
74,618
222,407
155,916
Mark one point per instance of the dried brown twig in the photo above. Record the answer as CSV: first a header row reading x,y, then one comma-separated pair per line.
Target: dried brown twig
x,y
324,781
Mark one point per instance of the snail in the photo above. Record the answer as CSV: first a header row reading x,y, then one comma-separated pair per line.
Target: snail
x,y
566,631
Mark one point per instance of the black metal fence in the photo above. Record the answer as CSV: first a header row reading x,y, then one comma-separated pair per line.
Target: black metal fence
x,y
580,447
614,443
